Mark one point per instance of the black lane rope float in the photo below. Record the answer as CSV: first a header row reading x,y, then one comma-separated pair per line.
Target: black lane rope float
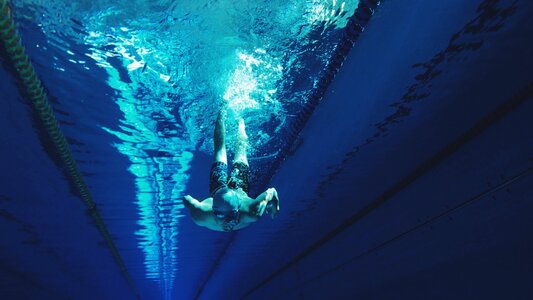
x,y
355,26
35,91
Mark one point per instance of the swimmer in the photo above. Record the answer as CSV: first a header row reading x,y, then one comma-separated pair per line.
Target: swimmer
x,y
229,208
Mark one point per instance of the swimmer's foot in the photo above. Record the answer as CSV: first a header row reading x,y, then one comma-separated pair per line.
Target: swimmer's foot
x,y
222,114
242,130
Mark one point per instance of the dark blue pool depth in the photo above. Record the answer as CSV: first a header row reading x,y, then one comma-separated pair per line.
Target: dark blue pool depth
x,y
407,174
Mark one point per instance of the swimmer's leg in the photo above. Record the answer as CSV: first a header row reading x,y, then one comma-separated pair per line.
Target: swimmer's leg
x,y
239,178
220,138
242,144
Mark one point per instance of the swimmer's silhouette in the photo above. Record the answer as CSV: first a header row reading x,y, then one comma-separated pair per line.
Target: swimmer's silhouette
x,y
229,207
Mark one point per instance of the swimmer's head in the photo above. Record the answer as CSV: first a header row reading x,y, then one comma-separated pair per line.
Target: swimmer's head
x,y
225,200
226,205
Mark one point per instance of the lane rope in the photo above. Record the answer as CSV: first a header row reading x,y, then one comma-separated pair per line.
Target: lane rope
x,y
291,133
35,92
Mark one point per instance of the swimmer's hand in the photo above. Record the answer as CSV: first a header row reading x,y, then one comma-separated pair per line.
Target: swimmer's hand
x,y
188,201
272,199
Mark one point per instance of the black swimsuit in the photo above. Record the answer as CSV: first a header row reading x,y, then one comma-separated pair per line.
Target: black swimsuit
x,y
237,180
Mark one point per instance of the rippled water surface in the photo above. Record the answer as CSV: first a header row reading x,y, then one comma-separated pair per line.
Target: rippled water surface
x,y
171,65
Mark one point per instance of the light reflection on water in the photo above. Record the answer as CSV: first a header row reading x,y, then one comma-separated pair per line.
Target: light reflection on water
x,y
172,65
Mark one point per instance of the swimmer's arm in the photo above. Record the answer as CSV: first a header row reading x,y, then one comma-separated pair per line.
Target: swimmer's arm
x,y
201,212
268,201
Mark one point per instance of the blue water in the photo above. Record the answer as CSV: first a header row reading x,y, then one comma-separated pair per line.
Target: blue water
x,y
136,86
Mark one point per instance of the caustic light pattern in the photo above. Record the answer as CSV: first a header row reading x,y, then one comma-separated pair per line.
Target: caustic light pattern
x,y
172,65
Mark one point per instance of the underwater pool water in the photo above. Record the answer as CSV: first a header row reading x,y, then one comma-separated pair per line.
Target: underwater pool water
x,y
136,86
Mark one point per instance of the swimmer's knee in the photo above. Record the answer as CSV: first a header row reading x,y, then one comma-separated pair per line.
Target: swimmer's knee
x,y
221,156
241,159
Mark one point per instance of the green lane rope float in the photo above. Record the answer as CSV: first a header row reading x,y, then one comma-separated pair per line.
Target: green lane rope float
x,y
34,89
